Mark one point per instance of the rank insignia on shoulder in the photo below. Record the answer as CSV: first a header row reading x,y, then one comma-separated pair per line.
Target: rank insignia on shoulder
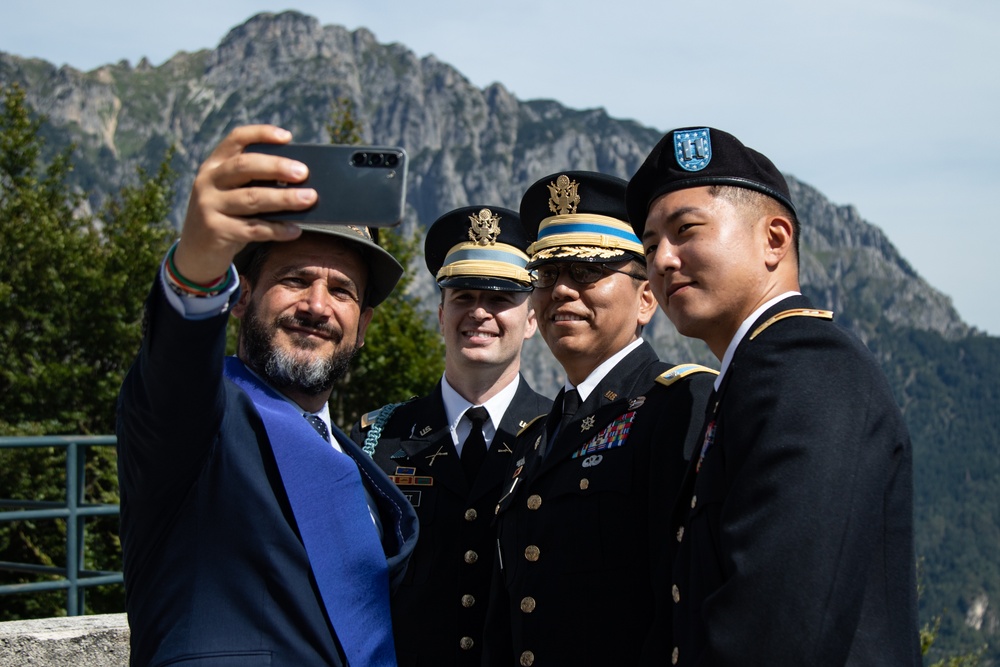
x,y
678,372
525,426
369,418
794,312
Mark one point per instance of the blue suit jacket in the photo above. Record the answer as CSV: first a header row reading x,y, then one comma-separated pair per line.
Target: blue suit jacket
x,y
215,569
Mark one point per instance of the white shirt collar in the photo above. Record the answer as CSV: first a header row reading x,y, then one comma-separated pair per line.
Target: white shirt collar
x,y
742,331
455,406
586,387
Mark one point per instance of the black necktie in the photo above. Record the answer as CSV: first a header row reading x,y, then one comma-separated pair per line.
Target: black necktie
x,y
474,449
571,403
319,425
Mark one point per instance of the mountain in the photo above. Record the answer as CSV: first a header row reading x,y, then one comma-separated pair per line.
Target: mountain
x,y
472,145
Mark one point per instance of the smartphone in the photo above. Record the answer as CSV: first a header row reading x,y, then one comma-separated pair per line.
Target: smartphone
x,y
357,185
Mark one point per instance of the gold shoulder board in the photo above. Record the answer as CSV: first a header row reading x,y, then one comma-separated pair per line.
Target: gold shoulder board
x,y
528,425
369,418
674,374
795,312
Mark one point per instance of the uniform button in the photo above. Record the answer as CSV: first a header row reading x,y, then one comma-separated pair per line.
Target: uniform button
x,y
673,657
534,502
531,553
528,604
466,643
680,533
468,600
497,510
471,514
471,556
676,593
527,659
694,501
584,484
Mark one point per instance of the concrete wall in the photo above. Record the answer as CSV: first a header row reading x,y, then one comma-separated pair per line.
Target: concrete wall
x,y
76,641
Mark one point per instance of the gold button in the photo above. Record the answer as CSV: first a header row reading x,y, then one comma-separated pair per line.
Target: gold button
x,y
527,659
584,484
468,601
673,657
534,502
531,553
680,533
694,501
471,557
676,592
528,604
465,643
471,514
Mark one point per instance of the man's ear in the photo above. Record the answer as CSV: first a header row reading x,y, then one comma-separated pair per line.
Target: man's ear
x,y
779,231
240,307
647,304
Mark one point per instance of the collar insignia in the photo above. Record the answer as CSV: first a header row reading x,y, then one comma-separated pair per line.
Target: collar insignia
x,y
485,227
563,195
610,395
588,423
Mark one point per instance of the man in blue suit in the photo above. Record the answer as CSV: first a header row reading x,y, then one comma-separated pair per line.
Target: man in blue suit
x,y
250,535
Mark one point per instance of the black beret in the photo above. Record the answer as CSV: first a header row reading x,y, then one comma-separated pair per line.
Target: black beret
x,y
578,216
478,247
691,157
383,269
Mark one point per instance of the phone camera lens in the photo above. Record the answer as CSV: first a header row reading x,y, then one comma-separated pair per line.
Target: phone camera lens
x,y
359,159
391,160
375,160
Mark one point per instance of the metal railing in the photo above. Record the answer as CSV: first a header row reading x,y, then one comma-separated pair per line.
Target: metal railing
x,y
74,510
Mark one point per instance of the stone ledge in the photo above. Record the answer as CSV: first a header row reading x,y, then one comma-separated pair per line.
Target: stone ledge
x,y
75,641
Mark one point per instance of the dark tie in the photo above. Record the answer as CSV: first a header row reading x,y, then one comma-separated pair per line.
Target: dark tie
x,y
474,449
571,403
319,425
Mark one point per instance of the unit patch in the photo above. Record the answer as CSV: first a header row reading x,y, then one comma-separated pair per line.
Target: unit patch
x,y
613,435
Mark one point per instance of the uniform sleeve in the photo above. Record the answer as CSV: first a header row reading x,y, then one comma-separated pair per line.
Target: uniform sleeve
x,y
811,443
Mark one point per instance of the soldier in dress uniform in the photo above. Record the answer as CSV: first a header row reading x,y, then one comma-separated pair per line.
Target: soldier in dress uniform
x,y
580,520
448,451
795,524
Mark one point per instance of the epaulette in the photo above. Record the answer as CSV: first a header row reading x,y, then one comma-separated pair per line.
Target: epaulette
x,y
369,418
528,425
672,375
794,312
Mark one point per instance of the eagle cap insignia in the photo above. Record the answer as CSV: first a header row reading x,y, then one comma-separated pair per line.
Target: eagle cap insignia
x,y
485,227
563,195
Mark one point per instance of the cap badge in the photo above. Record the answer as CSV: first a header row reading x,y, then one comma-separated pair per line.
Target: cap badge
x,y
563,197
485,227
693,149
363,232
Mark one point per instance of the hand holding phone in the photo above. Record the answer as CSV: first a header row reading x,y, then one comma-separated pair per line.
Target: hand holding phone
x,y
356,185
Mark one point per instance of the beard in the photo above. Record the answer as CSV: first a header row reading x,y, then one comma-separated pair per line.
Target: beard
x,y
282,368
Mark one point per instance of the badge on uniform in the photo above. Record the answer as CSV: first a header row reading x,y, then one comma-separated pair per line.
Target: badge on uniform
x,y
693,149
407,476
613,435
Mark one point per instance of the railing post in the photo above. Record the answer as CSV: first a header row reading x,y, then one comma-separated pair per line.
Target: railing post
x,y
72,538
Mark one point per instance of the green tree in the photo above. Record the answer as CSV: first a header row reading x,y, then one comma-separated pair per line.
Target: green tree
x,y
72,288
403,355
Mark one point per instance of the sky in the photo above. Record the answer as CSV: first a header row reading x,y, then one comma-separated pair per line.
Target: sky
x,y
890,106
